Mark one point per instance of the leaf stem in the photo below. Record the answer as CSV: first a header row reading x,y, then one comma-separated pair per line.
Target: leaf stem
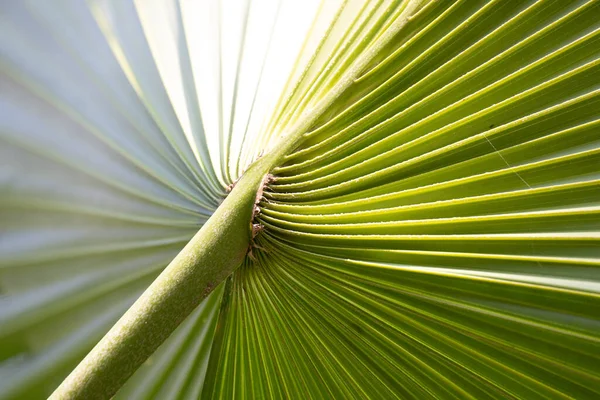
x,y
210,256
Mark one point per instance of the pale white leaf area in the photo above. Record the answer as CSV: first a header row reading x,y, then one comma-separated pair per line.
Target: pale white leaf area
x,y
121,123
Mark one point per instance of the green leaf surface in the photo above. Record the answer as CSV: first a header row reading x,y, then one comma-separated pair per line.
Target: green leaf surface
x,y
437,236
432,230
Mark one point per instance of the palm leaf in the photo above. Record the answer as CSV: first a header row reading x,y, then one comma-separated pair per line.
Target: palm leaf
x,y
433,231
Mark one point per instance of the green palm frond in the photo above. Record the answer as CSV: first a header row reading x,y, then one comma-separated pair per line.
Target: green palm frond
x,y
431,231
